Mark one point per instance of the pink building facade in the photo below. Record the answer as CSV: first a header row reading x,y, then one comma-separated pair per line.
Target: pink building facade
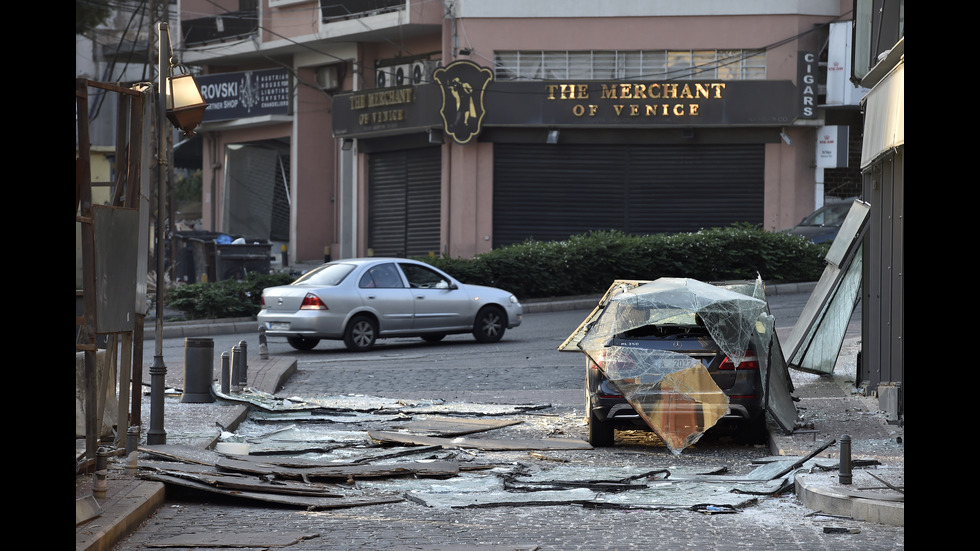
x,y
410,128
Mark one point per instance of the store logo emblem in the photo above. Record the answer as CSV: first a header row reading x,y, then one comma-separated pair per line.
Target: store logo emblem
x,y
463,84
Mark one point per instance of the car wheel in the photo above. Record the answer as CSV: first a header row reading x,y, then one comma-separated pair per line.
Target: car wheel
x,y
433,338
601,433
360,334
302,343
491,322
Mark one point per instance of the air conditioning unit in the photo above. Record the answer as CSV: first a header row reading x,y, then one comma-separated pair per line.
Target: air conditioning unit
x,y
402,75
422,71
326,77
393,75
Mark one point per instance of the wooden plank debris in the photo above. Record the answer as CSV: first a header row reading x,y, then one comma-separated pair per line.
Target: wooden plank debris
x,y
186,454
450,426
345,472
311,503
486,444
234,481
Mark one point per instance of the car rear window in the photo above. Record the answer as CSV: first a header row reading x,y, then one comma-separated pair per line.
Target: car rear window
x,y
830,215
326,275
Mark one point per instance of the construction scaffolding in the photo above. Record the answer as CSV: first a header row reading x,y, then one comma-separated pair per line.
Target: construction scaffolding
x,y
114,242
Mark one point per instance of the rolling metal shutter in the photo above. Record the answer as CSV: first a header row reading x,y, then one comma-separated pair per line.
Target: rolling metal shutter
x,y
550,192
404,201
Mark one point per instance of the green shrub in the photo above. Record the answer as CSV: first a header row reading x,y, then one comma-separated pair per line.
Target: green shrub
x,y
588,263
580,265
228,298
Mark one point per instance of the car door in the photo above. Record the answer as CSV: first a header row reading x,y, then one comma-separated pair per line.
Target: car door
x,y
438,306
383,290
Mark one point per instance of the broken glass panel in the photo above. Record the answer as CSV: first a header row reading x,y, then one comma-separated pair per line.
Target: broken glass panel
x,y
728,316
821,342
816,339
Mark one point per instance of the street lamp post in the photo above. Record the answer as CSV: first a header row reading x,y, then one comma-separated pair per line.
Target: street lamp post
x,y
158,370
179,100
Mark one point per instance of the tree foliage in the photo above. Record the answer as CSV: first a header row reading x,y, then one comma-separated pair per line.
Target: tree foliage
x,y
90,14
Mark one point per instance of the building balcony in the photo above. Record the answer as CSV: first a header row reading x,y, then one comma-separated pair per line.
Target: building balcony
x,y
231,25
340,22
335,10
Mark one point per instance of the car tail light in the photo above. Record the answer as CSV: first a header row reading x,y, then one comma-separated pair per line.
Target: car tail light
x,y
312,302
751,361
599,360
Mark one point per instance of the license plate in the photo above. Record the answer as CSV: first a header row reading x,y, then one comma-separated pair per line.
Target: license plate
x,y
278,325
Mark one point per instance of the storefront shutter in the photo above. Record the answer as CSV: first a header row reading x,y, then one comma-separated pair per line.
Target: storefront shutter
x,y
404,194
550,192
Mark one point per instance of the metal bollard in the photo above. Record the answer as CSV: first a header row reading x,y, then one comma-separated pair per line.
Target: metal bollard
x,y
132,442
845,460
100,480
225,373
244,377
236,369
263,344
198,370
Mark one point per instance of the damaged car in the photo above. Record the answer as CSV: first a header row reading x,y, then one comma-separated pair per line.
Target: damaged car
x,y
677,356
362,300
608,409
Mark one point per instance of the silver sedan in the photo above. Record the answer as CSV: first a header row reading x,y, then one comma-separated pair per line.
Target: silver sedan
x,y
361,300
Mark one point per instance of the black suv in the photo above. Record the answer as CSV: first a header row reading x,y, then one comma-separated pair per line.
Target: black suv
x,y
608,409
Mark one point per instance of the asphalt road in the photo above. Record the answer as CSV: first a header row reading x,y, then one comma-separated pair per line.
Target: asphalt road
x,y
533,344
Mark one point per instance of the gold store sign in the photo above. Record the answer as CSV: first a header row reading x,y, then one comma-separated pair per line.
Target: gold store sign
x,y
665,100
382,106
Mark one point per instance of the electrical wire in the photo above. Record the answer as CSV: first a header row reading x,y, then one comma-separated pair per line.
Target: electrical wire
x,y
449,7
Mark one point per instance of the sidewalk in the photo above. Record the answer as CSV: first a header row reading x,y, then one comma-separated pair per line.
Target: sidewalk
x,y
130,500
827,402
830,406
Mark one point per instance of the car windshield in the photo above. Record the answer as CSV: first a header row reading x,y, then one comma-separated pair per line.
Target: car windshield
x,y
326,275
830,215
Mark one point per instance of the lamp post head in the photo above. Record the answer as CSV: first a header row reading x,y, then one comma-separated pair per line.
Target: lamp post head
x,y
185,105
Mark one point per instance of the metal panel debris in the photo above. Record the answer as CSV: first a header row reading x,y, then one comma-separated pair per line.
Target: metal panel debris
x,y
482,443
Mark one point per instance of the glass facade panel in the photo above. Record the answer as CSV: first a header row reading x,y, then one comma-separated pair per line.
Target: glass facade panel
x,y
632,65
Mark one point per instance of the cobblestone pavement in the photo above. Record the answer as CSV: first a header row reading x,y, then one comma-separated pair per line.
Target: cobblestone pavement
x,y
778,524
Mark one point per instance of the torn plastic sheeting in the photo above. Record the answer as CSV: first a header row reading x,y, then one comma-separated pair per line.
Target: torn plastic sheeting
x,y
673,393
730,317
